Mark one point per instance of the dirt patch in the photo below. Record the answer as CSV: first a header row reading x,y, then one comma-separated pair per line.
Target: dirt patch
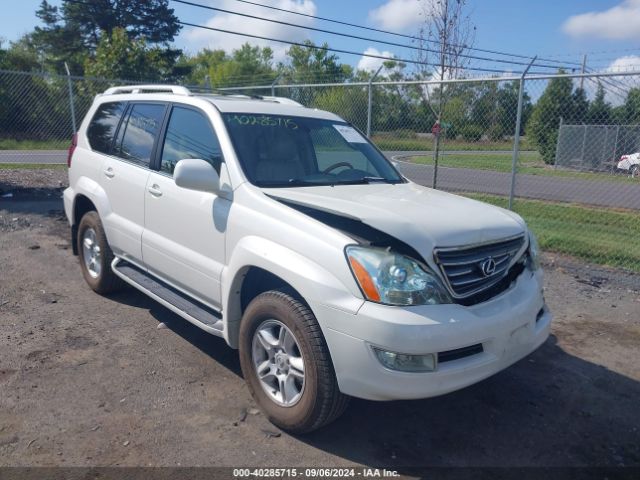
x,y
89,380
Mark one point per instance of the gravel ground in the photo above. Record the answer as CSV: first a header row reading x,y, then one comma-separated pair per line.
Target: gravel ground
x,y
87,380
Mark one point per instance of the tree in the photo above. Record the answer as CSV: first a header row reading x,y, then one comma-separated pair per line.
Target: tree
x,y
118,56
310,64
556,102
508,108
348,102
449,29
74,30
20,56
599,110
632,107
579,107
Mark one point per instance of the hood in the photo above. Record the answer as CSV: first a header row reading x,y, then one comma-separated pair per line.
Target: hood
x,y
421,217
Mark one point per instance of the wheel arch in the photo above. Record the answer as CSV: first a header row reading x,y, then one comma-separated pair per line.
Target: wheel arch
x,y
259,265
89,196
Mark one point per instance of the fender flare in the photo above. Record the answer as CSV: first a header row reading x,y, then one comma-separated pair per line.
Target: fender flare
x,y
311,280
94,192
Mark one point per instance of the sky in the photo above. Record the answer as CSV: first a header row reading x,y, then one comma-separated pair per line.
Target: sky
x,y
608,31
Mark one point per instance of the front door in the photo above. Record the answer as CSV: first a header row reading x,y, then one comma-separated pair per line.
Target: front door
x,y
184,236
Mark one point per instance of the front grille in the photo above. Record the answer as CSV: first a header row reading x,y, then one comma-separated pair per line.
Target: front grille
x,y
470,270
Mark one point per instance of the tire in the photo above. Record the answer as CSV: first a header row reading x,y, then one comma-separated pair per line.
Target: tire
x,y
634,172
97,274
318,400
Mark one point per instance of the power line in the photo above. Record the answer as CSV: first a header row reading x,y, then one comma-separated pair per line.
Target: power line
x,y
412,37
357,37
329,49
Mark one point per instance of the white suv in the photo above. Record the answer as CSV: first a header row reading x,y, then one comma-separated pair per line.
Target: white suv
x,y
283,230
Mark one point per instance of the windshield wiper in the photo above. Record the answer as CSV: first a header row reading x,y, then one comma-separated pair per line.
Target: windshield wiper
x,y
365,180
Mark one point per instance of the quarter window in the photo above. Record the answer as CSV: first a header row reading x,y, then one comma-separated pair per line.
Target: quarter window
x,y
189,135
103,126
140,131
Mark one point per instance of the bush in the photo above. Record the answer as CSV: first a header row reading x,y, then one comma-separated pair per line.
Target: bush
x,y
472,133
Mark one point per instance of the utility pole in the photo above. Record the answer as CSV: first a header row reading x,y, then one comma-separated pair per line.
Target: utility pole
x,y
584,67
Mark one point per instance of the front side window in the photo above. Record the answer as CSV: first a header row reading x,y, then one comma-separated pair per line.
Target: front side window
x,y
189,135
103,126
281,151
137,135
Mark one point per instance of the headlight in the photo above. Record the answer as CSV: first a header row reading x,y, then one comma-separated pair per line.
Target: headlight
x,y
534,252
391,278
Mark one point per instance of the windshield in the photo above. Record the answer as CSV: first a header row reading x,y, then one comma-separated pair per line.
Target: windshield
x,y
284,151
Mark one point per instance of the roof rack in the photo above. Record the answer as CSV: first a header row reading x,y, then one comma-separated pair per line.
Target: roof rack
x,y
283,101
148,88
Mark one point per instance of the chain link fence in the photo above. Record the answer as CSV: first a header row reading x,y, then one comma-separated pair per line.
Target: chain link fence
x,y
564,175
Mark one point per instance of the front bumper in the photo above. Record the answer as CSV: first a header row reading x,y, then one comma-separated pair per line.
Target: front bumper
x,y
509,327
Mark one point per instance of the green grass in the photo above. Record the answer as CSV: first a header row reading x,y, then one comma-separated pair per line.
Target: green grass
x,y
11,144
598,235
32,166
389,142
530,163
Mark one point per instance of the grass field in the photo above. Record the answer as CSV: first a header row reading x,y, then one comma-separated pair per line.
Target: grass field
x,y
32,166
530,163
388,142
597,235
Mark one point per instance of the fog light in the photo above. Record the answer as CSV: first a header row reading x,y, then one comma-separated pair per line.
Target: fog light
x,y
403,362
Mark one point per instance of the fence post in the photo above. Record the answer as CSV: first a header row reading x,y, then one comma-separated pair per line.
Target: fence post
x,y
615,149
516,138
584,144
73,110
370,101
555,163
273,85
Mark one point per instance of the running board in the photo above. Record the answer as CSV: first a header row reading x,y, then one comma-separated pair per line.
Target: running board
x,y
191,310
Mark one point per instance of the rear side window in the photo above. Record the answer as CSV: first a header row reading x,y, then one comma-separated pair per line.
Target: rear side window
x,y
138,133
103,126
189,135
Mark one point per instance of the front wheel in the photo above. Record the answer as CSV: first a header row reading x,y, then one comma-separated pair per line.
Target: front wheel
x,y
635,171
286,364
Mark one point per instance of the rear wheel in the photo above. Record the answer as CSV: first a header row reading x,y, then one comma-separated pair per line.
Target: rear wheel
x,y
96,256
286,364
635,171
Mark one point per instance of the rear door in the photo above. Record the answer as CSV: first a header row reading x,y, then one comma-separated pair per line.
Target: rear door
x,y
184,236
124,177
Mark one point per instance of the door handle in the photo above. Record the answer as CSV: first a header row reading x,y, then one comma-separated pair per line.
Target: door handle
x,y
155,190
109,172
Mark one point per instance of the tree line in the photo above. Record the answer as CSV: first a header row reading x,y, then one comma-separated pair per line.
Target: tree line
x,y
133,40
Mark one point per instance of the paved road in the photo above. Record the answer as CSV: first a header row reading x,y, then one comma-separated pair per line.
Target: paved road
x,y
599,193
33,156
605,194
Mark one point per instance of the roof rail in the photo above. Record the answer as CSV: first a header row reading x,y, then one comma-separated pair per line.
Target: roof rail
x,y
177,90
283,100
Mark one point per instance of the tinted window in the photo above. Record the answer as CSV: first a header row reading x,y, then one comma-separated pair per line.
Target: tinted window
x,y
189,135
281,151
103,126
139,133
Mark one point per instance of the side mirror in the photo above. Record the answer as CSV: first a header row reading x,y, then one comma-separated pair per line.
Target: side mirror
x,y
196,174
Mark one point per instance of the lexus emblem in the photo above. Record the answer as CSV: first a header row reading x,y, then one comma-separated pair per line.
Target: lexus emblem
x,y
488,267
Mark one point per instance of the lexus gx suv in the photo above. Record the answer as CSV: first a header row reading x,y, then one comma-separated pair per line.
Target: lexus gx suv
x,y
285,231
